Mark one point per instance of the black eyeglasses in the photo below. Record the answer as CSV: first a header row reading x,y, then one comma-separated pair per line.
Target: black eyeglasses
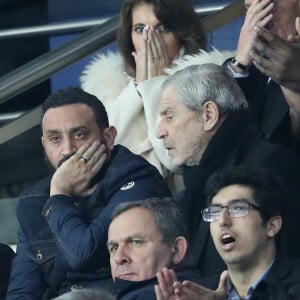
x,y
237,209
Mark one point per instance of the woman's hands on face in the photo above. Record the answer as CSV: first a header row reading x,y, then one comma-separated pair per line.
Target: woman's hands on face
x,y
151,57
140,57
157,58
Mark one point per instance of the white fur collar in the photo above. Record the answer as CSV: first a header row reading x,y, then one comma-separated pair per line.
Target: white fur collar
x,y
105,76
202,57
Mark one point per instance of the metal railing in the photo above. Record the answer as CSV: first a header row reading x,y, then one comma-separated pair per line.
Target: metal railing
x,y
44,66
80,26
41,68
52,29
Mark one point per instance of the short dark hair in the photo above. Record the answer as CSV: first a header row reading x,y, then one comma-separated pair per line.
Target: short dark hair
x,y
167,215
75,95
268,191
178,16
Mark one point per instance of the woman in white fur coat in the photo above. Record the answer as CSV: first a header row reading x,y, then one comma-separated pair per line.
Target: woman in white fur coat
x,y
154,35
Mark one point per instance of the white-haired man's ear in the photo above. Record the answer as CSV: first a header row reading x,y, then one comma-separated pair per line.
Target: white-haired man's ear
x,y
210,115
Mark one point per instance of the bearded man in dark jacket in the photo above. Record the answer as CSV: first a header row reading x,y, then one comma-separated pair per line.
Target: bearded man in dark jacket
x,y
64,218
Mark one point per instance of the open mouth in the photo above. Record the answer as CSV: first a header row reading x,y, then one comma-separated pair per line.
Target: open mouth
x,y
227,241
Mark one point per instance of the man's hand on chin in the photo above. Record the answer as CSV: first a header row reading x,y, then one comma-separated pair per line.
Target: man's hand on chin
x,y
73,177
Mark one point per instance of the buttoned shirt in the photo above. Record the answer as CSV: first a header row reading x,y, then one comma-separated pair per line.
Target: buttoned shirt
x,y
232,294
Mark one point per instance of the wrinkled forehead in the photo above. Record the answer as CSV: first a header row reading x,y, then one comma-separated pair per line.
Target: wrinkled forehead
x,y
136,220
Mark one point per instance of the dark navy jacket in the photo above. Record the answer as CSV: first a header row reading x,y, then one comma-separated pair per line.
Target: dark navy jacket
x,y
144,290
62,240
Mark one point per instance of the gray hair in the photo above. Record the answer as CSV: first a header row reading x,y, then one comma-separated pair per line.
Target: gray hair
x,y
197,84
168,217
87,294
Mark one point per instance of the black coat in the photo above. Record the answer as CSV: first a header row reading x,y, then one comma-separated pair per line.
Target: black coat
x,y
235,144
281,283
269,111
62,239
144,290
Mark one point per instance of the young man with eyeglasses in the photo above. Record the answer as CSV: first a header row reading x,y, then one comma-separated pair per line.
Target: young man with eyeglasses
x,y
246,216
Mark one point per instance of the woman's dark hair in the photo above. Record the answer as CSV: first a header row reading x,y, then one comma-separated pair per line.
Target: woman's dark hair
x,y
178,16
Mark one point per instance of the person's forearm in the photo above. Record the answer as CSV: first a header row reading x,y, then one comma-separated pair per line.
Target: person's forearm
x,y
79,239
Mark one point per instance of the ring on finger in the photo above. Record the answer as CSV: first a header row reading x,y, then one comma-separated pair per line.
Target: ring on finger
x,y
84,159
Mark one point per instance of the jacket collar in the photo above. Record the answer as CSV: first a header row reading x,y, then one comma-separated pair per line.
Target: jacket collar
x,y
217,151
125,287
184,270
280,269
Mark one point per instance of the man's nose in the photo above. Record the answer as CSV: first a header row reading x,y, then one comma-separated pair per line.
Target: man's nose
x,y
68,147
160,131
224,219
121,256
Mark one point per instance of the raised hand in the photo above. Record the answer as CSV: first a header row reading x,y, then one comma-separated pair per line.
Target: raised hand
x,y
169,288
73,177
157,58
151,57
277,58
258,14
165,288
140,57
192,291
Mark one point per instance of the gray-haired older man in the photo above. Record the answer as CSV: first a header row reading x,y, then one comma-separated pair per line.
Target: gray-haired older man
x,y
204,128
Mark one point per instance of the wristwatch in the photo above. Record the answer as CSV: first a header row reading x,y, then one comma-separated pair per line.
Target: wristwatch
x,y
239,65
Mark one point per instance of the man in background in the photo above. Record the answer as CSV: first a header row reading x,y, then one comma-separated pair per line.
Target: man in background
x,y
143,238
